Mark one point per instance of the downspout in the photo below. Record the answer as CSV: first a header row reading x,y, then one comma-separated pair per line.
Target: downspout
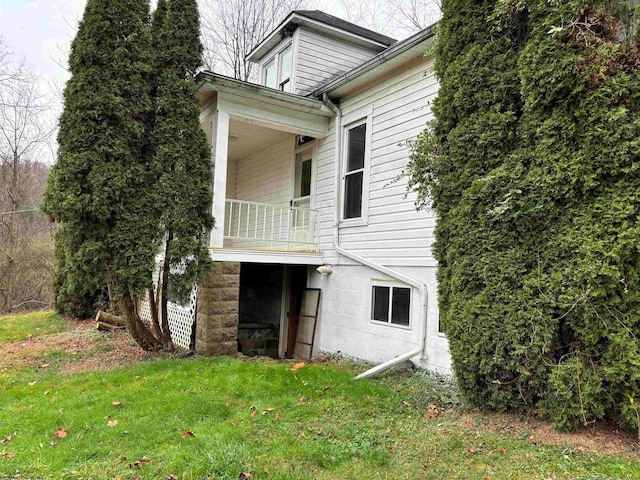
x,y
422,288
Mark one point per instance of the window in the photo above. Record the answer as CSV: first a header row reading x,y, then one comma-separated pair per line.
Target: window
x,y
270,74
391,304
277,72
354,172
285,71
355,162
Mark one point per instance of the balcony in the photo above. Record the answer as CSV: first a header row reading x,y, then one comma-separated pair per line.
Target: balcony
x,y
264,226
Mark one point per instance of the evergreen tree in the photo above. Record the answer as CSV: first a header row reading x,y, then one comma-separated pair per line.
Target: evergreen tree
x,y
102,189
182,150
134,165
530,165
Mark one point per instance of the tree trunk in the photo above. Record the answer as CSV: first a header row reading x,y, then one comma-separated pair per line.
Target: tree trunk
x,y
139,331
163,335
107,327
114,320
164,287
13,234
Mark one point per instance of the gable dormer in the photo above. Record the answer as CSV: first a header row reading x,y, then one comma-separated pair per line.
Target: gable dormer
x,y
310,47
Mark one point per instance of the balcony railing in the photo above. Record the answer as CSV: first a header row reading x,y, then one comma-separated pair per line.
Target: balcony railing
x,y
264,226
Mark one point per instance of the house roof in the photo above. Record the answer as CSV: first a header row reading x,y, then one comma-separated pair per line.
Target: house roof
x,y
320,21
346,26
209,81
385,61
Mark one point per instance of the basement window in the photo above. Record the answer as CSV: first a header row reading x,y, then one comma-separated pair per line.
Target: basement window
x,y
391,304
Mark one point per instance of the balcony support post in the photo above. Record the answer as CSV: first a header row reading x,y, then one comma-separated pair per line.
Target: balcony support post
x,y
219,150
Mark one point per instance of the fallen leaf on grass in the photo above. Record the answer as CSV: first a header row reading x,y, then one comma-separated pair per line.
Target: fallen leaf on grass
x,y
392,450
112,423
471,450
172,476
45,365
434,407
431,415
31,384
9,455
267,410
406,404
244,476
298,366
7,438
253,414
187,434
61,433
116,403
141,462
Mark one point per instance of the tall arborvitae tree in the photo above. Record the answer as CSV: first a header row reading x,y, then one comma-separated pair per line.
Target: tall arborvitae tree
x,y
102,188
181,150
531,166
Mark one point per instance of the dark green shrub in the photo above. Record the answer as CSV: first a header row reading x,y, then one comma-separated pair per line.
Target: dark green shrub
x,y
532,165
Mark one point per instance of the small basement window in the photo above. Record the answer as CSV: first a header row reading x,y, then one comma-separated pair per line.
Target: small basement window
x,y
391,304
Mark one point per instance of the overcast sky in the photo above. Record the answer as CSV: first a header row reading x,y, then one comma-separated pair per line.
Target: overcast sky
x,y
39,32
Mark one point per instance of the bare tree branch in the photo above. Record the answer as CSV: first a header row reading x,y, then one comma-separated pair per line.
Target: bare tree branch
x,y
231,28
25,134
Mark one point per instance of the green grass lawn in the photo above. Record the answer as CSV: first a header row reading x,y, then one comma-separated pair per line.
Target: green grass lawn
x,y
19,327
223,418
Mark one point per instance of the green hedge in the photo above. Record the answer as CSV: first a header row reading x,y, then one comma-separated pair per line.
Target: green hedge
x,y
532,165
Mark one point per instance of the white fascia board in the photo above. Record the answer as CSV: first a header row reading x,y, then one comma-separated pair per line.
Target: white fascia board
x,y
259,51
264,256
210,82
416,45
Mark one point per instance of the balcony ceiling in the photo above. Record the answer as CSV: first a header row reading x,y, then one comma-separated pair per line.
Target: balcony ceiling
x,y
246,138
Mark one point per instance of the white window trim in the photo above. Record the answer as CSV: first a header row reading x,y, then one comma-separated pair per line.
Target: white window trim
x,y
391,285
276,59
313,146
354,119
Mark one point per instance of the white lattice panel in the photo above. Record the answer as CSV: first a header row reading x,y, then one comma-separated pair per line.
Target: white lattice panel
x,y
181,317
181,320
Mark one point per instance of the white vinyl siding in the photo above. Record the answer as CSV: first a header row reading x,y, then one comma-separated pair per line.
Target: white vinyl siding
x,y
266,176
320,58
395,233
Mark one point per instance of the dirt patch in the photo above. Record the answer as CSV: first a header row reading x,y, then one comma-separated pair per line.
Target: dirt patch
x,y
82,348
598,439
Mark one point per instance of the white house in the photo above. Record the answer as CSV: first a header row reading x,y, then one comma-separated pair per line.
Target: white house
x,y
309,201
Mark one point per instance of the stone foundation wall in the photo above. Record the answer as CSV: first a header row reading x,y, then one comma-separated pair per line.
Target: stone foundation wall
x,y
217,311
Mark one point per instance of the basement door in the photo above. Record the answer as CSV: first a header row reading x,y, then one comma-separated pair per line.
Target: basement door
x,y
295,282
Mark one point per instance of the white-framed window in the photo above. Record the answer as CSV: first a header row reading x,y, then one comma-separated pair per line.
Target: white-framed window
x,y
277,72
356,158
391,304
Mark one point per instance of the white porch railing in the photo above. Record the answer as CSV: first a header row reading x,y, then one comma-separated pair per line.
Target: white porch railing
x,y
264,226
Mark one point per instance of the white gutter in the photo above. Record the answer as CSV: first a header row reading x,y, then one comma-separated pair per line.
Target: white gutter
x,y
374,62
422,288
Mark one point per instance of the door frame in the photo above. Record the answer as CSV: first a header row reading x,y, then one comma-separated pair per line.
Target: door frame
x,y
286,305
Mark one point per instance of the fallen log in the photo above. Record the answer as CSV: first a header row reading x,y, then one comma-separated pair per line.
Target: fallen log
x,y
105,317
107,327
